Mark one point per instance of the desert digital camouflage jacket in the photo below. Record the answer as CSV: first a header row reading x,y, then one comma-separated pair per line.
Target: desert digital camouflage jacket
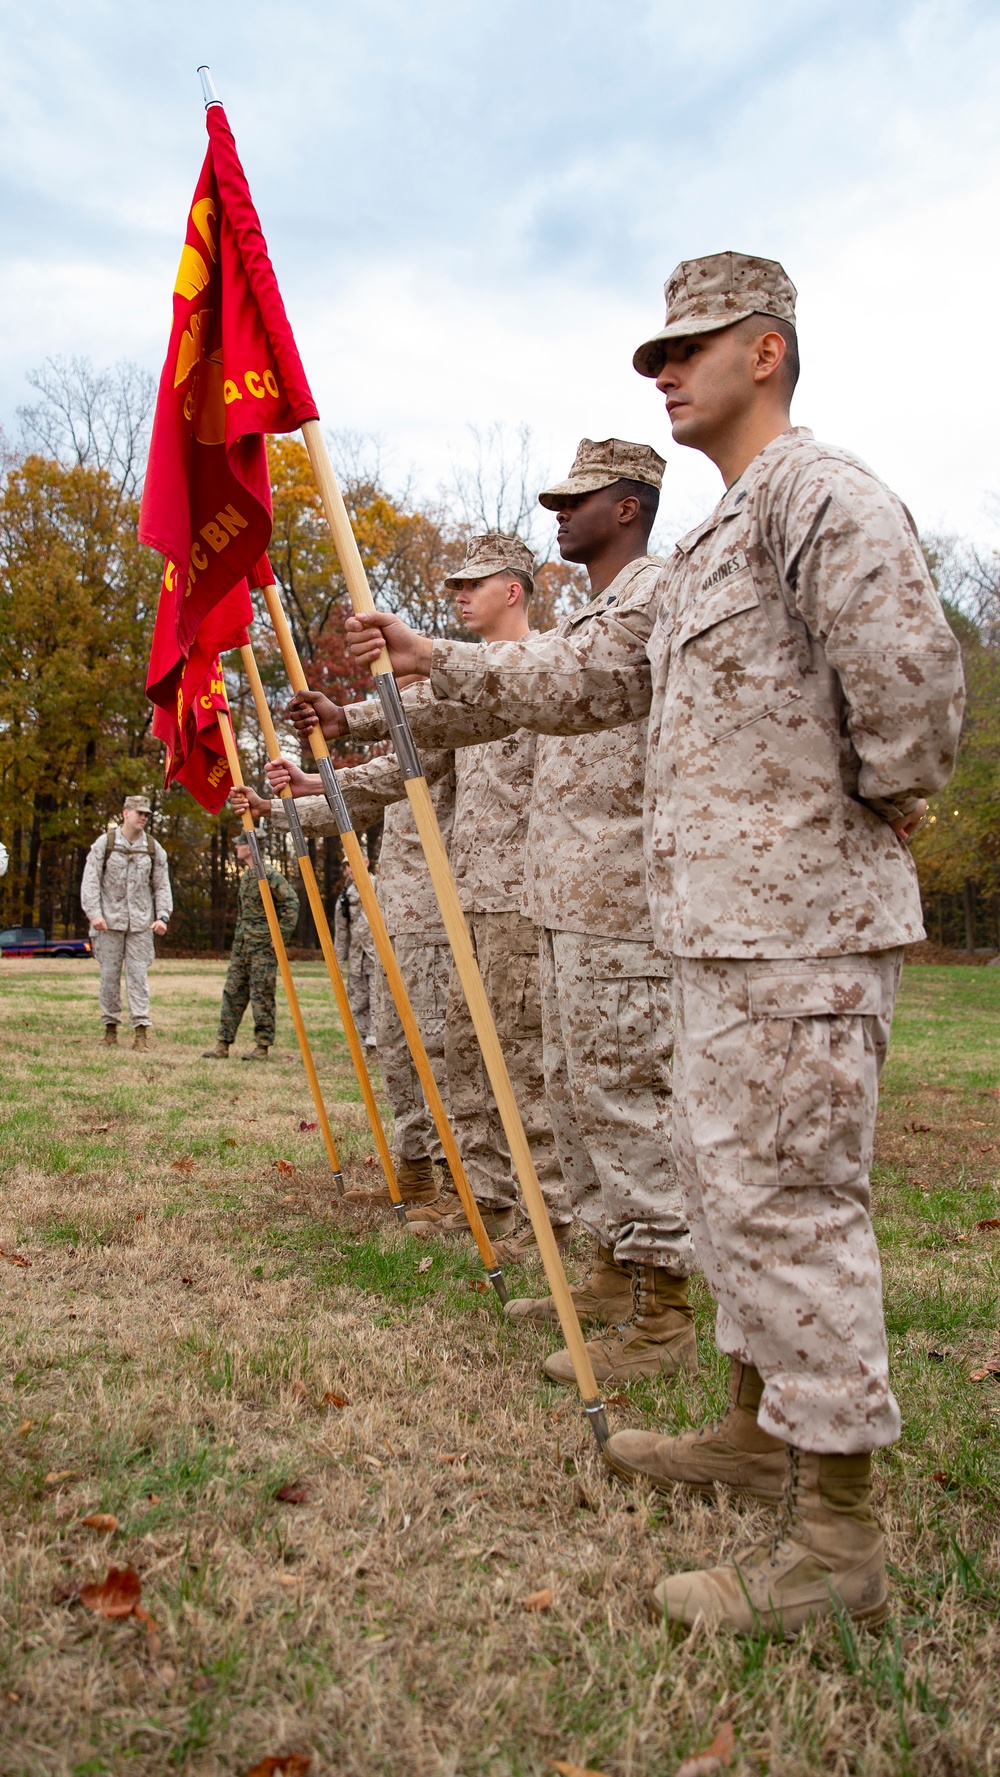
x,y
492,787
252,930
351,930
803,689
582,854
133,889
405,894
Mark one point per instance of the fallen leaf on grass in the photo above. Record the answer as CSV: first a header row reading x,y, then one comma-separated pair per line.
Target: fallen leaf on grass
x,y
57,1476
24,1427
616,1400
155,1499
306,1126
477,1284
370,1160
285,1167
15,1259
990,1368
116,1596
425,1264
713,1758
293,1493
184,1164
289,1579
986,1226
938,1357
334,1400
187,1282
282,1764
229,1141
103,1521
538,1600
452,1456
565,1770
942,1479
918,1129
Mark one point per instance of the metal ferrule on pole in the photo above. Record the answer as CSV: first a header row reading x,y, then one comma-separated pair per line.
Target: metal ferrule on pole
x,y
335,796
255,853
400,732
209,93
598,1420
295,827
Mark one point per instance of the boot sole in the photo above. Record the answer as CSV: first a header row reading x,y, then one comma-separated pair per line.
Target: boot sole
x,y
773,1624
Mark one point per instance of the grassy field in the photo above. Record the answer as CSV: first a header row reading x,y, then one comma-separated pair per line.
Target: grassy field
x,y
198,1326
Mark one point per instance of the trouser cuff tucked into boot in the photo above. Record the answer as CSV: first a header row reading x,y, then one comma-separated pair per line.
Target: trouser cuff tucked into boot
x,y
658,1341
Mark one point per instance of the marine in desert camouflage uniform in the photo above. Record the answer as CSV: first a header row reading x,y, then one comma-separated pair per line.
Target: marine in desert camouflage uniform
x,y
605,987
125,893
253,967
491,790
804,695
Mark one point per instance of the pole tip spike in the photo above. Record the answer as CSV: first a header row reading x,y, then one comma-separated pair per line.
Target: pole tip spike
x,y
209,93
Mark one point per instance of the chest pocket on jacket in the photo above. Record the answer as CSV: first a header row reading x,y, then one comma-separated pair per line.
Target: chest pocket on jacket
x,y
728,659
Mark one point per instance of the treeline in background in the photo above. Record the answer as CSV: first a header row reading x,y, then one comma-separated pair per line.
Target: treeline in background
x,y
78,597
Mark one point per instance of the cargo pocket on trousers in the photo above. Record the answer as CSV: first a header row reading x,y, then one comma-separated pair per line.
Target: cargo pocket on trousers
x,y
787,1076
633,1018
522,1000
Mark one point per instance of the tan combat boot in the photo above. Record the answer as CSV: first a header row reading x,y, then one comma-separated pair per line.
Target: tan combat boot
x,y
417,1183
259,1052
111,1036
497,1222
428,1215
827,1554
140,1039
658,1341
525,1246
219,1053
604,1297
735,1451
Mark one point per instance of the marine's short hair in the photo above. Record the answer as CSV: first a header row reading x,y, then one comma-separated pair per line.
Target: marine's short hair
x,y
754,325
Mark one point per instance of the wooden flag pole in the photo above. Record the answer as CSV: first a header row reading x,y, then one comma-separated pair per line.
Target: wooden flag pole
x,y
387,957
326,942
233,759
443,880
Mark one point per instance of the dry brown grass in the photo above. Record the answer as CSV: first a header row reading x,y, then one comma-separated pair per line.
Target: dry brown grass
x,y
171,1345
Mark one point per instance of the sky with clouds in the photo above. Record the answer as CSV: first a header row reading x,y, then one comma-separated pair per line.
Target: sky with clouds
x,y
472,209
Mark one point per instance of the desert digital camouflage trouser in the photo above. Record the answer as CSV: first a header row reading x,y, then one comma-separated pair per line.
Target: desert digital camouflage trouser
x,y
136,952
424,968
361,989
776,1089
250,979
607,1020
506,945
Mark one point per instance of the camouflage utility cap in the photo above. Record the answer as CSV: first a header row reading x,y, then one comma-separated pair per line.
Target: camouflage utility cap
x,y
139,804
706,294
601,464
498,552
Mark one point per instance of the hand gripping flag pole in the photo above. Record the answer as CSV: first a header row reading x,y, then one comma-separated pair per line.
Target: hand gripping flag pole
x,y
419,797
326,942
383,944
229,739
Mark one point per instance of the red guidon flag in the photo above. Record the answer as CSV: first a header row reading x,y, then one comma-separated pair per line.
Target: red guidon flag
x,y
232,374
196,752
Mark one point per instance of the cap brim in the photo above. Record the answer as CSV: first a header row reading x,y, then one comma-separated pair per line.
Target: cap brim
x,y
456,580
648,359
553,497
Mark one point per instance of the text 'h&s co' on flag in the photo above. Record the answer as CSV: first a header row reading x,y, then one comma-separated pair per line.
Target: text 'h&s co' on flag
x,y
232,374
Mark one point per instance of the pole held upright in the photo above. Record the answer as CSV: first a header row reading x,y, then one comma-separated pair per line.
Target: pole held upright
x,y
387,957
236,773
326,942
445,888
